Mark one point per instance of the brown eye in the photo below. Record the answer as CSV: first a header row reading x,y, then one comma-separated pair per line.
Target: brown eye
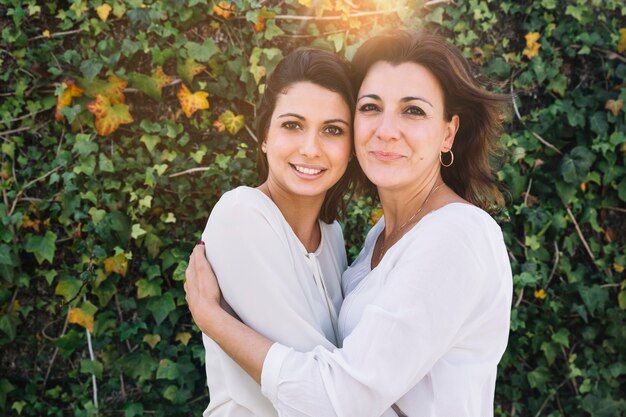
x,y
333,130
290,125
415,111
368,107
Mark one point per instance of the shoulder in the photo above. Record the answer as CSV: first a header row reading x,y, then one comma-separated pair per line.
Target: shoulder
x,y
460,221
242,201
333,235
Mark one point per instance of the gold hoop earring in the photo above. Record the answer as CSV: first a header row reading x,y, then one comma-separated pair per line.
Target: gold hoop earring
x,y
451,159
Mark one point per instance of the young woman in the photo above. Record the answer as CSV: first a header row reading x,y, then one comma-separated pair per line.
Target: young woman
x,y
277,248
425,318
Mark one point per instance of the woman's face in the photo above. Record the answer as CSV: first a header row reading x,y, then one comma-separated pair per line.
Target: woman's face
x,y
308,141
399,126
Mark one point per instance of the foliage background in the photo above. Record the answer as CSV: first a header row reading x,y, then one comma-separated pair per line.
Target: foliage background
x,y
95,229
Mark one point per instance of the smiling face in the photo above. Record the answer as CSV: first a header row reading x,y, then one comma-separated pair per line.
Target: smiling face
x,y
399,126
308,142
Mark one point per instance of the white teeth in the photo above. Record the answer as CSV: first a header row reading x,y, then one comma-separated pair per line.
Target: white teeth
x,y
308,171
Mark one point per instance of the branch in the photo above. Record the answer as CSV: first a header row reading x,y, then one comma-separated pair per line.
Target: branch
x,y
580,233
557,257
190,171
545,142
56,35
17,197
93,358
327,18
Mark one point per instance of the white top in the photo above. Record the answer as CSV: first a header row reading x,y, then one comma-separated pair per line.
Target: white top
x,y
275,286
425,329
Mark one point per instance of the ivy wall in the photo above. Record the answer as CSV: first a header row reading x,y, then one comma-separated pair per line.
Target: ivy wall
x,y
123,121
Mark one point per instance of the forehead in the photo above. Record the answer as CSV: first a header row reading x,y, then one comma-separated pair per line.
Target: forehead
x,y
395,81
311,100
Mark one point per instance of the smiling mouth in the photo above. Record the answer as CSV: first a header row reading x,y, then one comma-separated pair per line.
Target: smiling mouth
x,y
386,156
306,171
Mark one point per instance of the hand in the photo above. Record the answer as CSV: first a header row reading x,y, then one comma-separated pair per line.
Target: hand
x,y
202,291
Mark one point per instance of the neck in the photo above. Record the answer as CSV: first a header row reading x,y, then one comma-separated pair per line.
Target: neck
x,y
300,212
400,205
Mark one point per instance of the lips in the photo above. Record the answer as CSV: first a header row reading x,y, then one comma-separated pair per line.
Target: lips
x,y
386,156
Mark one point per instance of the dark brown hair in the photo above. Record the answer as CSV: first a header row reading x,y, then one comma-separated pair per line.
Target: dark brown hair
x,y
328,71
480,111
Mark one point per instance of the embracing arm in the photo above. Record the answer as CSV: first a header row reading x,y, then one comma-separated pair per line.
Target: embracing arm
x,y
247,347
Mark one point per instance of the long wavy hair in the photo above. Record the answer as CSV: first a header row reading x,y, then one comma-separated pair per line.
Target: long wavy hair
x,y
480,111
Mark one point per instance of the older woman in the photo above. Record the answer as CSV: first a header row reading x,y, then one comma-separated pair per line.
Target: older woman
x,y
426,312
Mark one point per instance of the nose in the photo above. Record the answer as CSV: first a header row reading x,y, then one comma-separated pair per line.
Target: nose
x,y
387,128
310,146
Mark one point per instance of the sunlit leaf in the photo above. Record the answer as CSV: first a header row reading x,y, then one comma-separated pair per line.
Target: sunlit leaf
x,y
233,123
183,337
152,339
82,318
621,46
223,9
188,68
614,106
117,264
103,11
43,247
191,102
69,91
532,45
112,88
108,116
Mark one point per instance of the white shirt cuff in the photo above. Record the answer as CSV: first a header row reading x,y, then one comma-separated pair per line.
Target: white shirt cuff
x,y
271,370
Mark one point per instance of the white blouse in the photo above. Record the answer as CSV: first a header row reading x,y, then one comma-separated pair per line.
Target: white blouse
x,y
425,329
274,285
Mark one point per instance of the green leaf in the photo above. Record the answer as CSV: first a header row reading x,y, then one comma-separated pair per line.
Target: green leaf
x,y
167,370
8,324
68,287
539,377
161,307
137,231
145,84
575,165
5,388
271,30
43,247
139,365
90,68
133,410
562,337
5,255
148,288
595,298
91,367
202,53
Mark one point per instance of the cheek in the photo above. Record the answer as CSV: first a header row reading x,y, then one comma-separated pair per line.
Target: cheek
x,y
340,150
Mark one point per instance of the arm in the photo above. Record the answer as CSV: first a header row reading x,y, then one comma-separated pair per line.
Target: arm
x,y
247,347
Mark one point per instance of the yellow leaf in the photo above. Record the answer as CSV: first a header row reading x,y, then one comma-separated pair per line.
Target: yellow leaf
x,y
583,186
621,46
79,8
161,78
219,126
190,102
614,106
540,294
532,45
45,33
224,9
108,116
306,3
82,318
231,122
375,215
103,11
112,88
259,26
152,340
183,337
70,91
618,268
117,264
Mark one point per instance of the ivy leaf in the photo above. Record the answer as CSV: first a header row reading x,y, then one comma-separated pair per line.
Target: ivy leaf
x,y
5,388
8,324
108,116
532,45
191,102
614,106
43,247
272,30
69,90
223,9
167,370
231,122
183,338
112,88
133,410
88,366
137,231
103,11
621,46
576,164
188,68
138,365
68,287
117,264
160,307
152,339
148,288
82,318
202,53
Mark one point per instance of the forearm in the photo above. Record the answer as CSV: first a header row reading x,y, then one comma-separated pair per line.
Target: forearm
x,y
244,345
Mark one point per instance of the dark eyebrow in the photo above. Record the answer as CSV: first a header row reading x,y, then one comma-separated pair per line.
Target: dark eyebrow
x,y
405,99
336,121
373,96
297,116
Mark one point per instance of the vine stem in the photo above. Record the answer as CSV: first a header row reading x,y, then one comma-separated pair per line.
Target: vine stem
x,y
94,383
580,233
56,351
190,171
19,194
57,34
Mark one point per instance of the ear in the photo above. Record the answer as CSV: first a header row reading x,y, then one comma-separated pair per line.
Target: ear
x,y
264,146
451,128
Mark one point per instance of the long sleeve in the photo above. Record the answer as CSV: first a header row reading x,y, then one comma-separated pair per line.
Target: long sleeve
x,y
439,318
266,276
